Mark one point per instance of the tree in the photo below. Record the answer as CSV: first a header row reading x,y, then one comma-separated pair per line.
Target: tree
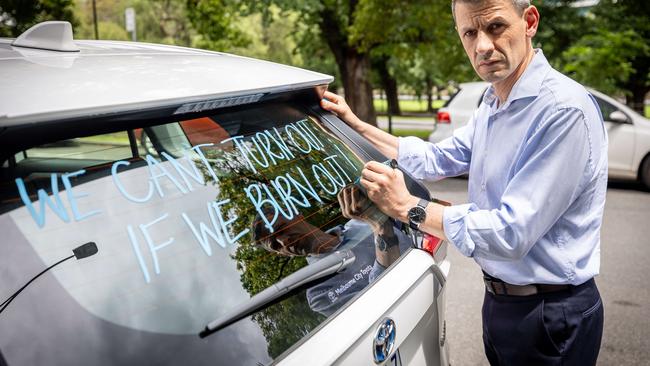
x,y
330,20
16,16
156,21
614,55
215,21
414,42
562,24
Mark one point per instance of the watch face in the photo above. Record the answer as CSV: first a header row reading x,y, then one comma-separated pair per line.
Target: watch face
x,y
417,214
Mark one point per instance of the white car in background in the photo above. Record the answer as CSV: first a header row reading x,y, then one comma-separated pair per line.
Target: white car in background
x,y
628,131
136,182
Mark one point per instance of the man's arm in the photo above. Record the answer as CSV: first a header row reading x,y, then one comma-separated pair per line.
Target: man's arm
x,y
421,159
545,185
383,141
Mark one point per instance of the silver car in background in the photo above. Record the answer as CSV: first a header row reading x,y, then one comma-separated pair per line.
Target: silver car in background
x,y
628,131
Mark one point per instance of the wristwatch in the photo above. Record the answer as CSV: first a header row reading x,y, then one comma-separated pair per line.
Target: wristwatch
x,y
418,214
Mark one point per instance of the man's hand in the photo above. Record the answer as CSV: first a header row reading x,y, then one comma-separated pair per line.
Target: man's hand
x,y
336,104
386,188
355,205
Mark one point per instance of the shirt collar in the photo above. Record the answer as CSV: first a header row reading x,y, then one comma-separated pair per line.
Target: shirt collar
x,y
529,83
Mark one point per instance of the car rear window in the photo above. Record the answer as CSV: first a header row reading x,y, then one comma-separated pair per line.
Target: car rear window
x,y
190,219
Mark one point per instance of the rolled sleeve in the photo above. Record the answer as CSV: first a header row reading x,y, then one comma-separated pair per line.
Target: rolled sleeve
x,y
411,155
455,227
424,160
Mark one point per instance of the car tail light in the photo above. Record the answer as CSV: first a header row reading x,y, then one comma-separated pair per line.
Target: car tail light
x,y
443,117
431,243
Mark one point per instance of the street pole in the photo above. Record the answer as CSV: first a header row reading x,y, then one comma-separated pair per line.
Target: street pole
x,y
129,15
95,20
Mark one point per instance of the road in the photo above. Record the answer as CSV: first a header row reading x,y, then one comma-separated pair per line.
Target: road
x,y
623,281
405,122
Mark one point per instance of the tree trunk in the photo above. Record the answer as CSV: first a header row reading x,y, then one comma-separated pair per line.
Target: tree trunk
x,y
637,84
356,82
353,66
389,84
429,84
636,101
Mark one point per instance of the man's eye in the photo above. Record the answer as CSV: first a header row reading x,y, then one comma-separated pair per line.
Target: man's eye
x,y
470,33
495,27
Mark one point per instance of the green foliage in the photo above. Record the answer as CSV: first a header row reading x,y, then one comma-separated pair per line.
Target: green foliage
x,y
156,21
409,106
214,20
613,53
112,31
561,25
605,60
16,16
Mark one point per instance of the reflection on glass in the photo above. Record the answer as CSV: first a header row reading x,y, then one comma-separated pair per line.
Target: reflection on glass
x,y
369,234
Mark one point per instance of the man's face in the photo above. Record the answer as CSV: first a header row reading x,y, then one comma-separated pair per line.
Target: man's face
x,y
494,36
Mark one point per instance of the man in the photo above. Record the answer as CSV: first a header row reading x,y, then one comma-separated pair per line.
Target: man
x,y
536,154
369,234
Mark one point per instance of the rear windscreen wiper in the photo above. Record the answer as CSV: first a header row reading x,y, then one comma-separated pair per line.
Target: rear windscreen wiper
x,y
80,252
331,264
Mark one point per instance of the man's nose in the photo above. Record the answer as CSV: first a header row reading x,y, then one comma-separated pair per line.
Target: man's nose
x,y
484,44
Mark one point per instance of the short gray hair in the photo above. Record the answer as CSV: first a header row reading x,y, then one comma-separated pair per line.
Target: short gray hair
x,y
520,5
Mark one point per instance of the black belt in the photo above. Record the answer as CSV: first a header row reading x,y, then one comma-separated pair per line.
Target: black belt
x,y
496,286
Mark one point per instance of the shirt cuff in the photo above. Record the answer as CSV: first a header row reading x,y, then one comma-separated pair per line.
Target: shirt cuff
x,y
455,227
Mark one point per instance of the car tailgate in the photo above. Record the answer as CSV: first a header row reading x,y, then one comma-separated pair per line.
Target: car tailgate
x,y
409,294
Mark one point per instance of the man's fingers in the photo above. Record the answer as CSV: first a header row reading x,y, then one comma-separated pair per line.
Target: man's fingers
x,y
372,176
378,167
368,185
332,107
334,98
341,200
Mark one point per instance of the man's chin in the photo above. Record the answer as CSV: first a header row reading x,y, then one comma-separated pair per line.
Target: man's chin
x,y
493,77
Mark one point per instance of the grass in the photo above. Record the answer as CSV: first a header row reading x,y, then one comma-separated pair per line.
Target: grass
x,y
647,111
408,106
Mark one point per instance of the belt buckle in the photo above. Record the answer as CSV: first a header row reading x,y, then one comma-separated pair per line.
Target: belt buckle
x,y
489,286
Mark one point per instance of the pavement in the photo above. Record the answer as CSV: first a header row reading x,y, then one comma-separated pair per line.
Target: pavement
x,y
623,280
407,122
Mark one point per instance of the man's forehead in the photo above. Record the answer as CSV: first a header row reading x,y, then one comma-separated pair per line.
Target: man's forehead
x,y
470,12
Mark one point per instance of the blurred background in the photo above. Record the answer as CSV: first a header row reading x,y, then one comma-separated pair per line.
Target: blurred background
x,y
391,58
398,62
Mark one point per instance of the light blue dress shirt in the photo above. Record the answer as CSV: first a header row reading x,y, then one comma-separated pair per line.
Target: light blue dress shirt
x,y
537,169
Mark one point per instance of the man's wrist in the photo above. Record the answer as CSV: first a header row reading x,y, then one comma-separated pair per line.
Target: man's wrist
x,y
404,211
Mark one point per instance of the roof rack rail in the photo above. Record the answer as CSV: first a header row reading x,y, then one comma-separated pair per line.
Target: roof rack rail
x,y
50,35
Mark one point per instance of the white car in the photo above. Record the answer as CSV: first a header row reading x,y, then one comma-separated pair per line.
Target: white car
x,y
165,205
628,131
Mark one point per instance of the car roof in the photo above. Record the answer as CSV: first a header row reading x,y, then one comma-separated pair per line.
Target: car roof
x,y
113,76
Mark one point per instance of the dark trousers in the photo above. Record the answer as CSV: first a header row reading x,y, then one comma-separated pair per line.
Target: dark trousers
x,y
557,328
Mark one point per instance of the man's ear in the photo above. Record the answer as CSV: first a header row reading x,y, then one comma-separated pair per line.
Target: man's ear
x,y
531,16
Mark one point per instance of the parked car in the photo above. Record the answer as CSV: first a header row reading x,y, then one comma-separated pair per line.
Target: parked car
x,y
628,131
457,110
218,234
